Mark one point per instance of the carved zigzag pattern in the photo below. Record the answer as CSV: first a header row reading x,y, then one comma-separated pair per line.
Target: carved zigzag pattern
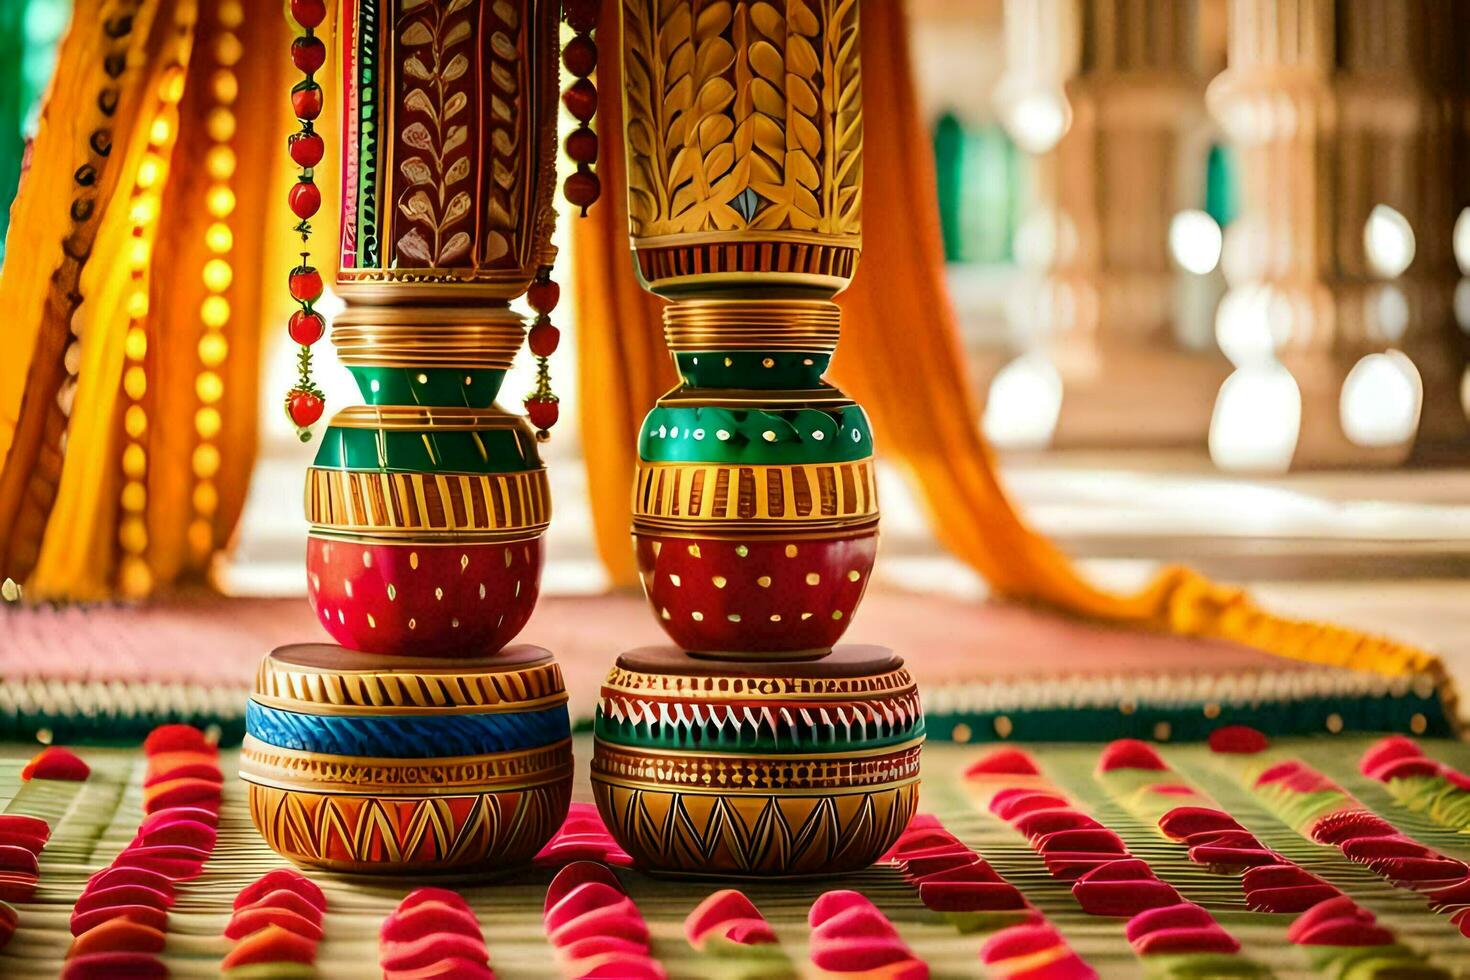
x,y
755,834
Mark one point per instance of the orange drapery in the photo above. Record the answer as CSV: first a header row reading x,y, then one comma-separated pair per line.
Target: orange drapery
x,y
901,359
133,285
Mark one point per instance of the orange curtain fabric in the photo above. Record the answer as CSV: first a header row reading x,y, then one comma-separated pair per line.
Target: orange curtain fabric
x,y
133,279
900,357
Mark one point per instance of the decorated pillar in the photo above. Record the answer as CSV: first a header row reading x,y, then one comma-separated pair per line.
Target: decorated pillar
x,y
1347,117
423,742
1107,98
755,745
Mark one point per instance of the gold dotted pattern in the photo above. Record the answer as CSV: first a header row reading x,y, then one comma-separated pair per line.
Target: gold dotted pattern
x,y
722,688
702,492
378,502
135,577
218,276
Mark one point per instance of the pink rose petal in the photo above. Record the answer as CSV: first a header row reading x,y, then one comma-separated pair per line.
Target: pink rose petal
x,y
1129,753
1007,761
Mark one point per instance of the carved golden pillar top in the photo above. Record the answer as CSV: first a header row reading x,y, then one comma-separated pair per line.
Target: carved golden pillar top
x,y
448,148
744,137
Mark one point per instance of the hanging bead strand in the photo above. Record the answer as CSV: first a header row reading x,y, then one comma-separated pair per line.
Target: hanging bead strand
x,y
582,188
541,404
304,402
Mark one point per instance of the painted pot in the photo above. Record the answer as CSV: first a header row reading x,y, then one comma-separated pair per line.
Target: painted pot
x,y
726,768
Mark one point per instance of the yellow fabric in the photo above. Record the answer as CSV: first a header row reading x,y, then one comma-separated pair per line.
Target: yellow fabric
x,y
79,517
900,357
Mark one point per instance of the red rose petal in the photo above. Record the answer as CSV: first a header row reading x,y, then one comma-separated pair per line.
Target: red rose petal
x,y
434,916
254,918
287,901
1088,840
1291,898
145,914
1039,822
450,968
103,898
720,907
207,772
177,738
620,966
857,955
578,873
56,762
586,897
1364,849
621,920
1007,761
1279,772
1184,822
1010,806
750,932
977,873
1451,896
17,886
1197,939
858,922
29,826
971,896
1278,876
1405,769
111,877
1185,915
1123,898
1345,825
1387,750
1017,941
191,833
184,791
1074,864
1225,838
426,950
18,859
15,838
930,864
925,841
832,903
111,966
1238,740
591,946
1345,932
1221,856
117,936
272,944
1172,789
1336,909
274,881
200,814
1424,869
1068,967
1129,753
1124,869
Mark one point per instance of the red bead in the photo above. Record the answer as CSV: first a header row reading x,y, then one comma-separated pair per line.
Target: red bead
x,y
544,339
303,407
580,55
582,189
305,199
306,284
308,54
543,295
581,100
306,327
582,145
580,15
309,13
306,100
306,148
542,412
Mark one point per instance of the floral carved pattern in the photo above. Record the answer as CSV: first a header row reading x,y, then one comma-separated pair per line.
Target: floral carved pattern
x,y
436,167
743,115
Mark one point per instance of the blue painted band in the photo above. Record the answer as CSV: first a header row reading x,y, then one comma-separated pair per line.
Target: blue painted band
x,y
407,736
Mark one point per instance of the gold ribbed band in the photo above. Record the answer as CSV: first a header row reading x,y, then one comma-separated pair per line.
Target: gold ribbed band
x,y
415,683
756,686
428,337
784,494
417,418
317,772
735,773
774,325
373,501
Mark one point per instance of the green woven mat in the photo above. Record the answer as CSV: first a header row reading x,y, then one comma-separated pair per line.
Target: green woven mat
x,y
92,822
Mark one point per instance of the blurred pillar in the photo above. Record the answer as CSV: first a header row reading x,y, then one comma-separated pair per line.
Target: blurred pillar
x,y
1347,117
1107,97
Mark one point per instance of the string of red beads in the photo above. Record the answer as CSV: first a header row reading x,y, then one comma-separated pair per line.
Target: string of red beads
x,y
541,405
582,188
304,402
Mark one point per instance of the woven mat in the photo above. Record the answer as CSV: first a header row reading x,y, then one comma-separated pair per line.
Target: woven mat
x,y
95,819
112,672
